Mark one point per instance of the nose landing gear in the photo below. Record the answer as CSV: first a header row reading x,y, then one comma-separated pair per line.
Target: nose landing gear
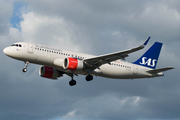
x,y
25,68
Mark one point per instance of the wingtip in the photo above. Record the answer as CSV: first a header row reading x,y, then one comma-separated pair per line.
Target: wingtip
x,y
171,67
145,43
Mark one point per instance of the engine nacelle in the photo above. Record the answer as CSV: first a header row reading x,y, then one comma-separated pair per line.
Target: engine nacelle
x,y
73,64
49,72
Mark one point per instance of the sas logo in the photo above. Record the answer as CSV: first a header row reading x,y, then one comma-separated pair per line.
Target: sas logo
x,y
148,62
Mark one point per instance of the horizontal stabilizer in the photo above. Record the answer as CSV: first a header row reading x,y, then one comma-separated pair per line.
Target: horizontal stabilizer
x,y
159,70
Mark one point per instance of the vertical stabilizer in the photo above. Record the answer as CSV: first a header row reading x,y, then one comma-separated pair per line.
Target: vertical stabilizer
x,y
150,58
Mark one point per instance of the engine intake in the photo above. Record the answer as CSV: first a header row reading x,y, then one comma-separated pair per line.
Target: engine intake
x,y
73,64
49,72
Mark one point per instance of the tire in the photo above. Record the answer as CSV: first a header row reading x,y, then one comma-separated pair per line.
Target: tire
x,y
89,77
72,82
24,70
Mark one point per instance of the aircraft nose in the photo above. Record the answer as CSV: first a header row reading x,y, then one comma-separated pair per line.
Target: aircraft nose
x,y
5,51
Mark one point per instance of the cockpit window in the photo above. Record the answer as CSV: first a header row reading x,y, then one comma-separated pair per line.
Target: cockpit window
x,y
17,45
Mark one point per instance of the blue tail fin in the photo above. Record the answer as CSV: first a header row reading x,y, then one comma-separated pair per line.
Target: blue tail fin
x,y
150,58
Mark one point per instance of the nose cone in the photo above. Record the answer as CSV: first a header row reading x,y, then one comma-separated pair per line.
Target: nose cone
x,y
6,51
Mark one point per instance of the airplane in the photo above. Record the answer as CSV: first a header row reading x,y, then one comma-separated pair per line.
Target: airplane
x,y
56,62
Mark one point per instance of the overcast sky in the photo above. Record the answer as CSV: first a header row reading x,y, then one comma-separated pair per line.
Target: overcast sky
x,y
94,27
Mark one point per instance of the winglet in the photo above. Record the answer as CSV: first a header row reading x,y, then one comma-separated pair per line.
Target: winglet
x,y
145,43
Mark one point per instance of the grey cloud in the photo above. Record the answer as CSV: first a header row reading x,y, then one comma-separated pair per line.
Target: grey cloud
x,y
96,19
6,11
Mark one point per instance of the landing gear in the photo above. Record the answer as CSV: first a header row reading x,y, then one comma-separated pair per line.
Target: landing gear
x,y
72,82
25,68
89,77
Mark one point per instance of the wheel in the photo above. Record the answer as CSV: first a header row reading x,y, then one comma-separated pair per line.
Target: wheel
x,y
72,82
24,70
89,77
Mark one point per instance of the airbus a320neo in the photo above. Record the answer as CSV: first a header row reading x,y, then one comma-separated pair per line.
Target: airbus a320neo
x,y
57,62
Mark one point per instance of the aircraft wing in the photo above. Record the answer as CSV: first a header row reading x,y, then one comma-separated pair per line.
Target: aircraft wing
x,y
95,62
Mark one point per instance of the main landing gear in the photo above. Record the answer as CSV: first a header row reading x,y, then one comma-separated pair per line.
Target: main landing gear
x,y
25,68
89,77
73,82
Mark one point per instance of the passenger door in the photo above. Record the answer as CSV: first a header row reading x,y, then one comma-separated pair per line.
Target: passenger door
x,y
30,47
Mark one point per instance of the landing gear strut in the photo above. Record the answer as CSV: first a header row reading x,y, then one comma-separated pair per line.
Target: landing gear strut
x,y
25,68
72,82
89,77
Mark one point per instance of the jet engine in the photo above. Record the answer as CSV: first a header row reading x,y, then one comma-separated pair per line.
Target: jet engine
x,y
73,64
49,72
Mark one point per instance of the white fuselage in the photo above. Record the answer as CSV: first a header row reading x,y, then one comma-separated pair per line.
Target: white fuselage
x,y
48,56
